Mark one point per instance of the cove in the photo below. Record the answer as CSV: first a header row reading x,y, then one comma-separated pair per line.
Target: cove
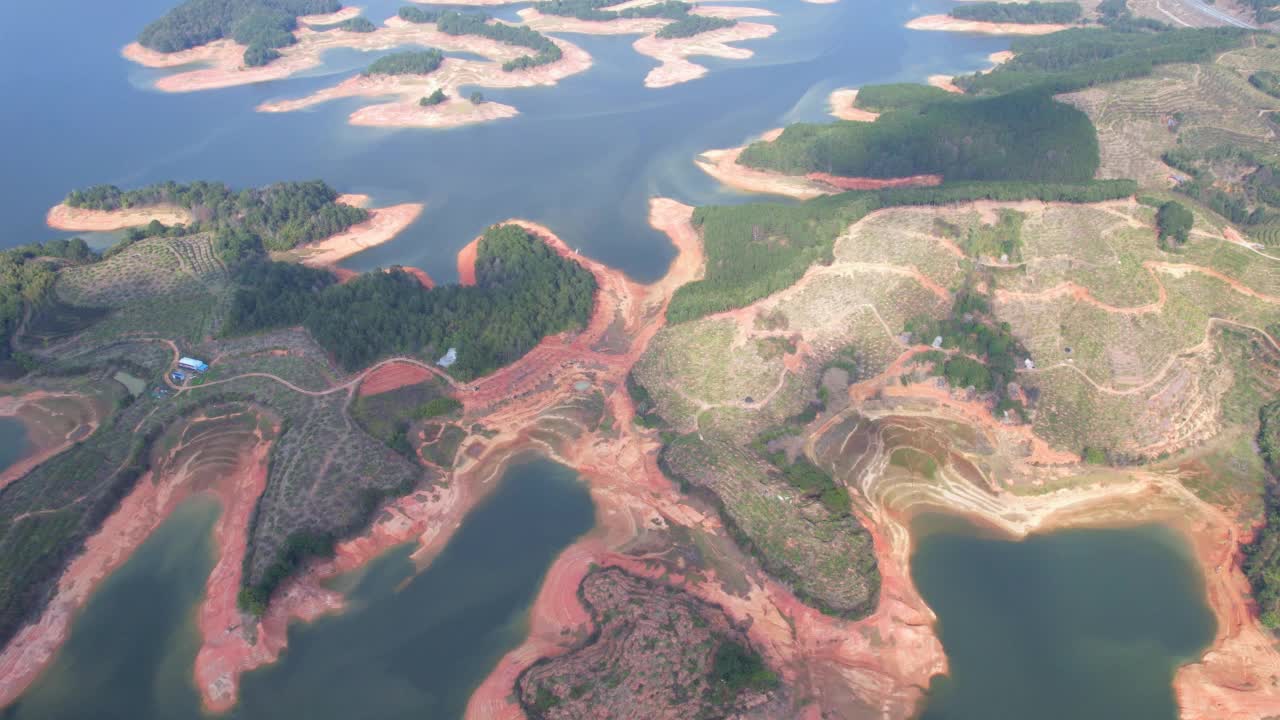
x,y
583,157
1088,623
13,441
410,645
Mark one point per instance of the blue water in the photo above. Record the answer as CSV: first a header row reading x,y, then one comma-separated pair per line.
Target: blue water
x,y
408,646
13,441
583,157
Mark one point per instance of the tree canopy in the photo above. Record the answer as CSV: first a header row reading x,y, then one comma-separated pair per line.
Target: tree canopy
x,y
262,25
524,292
1059,13
284,214
411,62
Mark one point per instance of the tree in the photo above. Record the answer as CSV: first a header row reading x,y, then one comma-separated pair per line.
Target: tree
x,y
1174,221
477,97
434,98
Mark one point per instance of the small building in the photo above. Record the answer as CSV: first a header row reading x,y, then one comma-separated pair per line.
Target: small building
x,y
178,376
1029,364
193,365
449,358
937,342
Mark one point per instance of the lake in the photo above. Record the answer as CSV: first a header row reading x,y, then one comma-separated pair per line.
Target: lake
x,y
409,645
1072,624
13,441
583,157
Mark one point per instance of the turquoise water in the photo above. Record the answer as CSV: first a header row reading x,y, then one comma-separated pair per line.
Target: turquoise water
x,y
583,157
409,646
13,441
1066,626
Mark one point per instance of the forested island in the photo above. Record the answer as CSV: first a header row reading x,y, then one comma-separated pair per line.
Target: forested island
x,y
691,25
684,25
524,291
261,25
452,22
1054,13
1017,136
419,62
284,215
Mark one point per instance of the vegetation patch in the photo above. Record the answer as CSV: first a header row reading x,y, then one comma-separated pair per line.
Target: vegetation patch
x,y
420,62
524,291
655,651
1055,13
452,22
262,25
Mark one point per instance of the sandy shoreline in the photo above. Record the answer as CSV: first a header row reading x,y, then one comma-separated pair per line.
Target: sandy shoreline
x,y
947,23
673,55
383,225
723,165
49,432
843,108
65,217
450,77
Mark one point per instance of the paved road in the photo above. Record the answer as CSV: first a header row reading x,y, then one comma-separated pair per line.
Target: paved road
x,y
1213,12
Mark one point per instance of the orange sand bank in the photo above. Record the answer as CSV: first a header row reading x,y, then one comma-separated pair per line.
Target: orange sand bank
x,y
674,66
951,24
383,225
843,108
65,217
467,263
452,75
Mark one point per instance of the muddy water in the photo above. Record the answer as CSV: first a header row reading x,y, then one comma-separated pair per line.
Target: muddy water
x,y
1063,626
13,441
410,646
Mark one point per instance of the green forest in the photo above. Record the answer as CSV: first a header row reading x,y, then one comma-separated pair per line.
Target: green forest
x,y
595,10
283,215
524,291
1084,57
1262,556
27,274
1266,81
1231,180
358,24
1025,136
452,22
1057,13
419,62
691,25
262,25
898,96
757,249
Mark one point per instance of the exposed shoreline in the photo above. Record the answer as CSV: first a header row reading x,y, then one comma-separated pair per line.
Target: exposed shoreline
x,y
946,23
723,165
65,217
453,74
673,55
842,103
383,225
44,441
149,504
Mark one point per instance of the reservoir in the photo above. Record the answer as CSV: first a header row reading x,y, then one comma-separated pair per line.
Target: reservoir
x,y
583,157
13,441
408,646
1073,624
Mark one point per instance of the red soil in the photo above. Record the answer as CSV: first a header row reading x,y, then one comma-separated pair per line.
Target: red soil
x,y
467,263
423,278
44,441
859,183
392,376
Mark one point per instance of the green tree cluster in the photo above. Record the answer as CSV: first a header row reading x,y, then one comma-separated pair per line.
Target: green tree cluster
x,y
1262,556
1057,13
1083,57
27,274
898,96
1266,81
691,25
420,62
524,292
1026,135
359,24
735,668
987,354
262,25
434,98
284,215
452,22
1232,181
595,10
1174,221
